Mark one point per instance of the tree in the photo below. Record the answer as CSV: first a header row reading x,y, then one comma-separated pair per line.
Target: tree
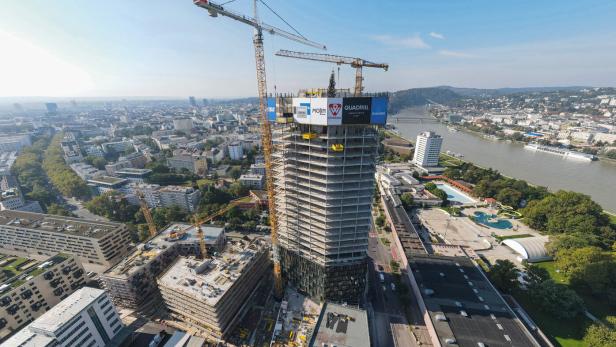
x,y
534,275
601,335
600,278
112,205
510,197
504,275
570,241
557,299
331,88
237,190
97,162
380,220
574,261
235,172
58,210
407,199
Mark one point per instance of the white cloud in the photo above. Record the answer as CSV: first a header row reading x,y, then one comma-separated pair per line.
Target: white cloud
x,y
437,35
414,41
456,54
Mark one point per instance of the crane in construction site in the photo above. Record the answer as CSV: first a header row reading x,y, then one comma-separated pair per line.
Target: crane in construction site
x,y
197,223
146,213
357,63
266,135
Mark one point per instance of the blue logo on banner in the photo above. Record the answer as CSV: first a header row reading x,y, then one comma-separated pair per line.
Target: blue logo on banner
x,y
307,106
271,109
379,110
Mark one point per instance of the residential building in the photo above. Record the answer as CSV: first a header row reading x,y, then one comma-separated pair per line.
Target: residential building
x,y
427,149
7,159
71,149
94,151
98,245
132,282
236,151
118,146
253,181
324,169
14,143
136,159
111,169
86,171
186,198
34,287
258,169
149,192
85,318
211,295
193,162
12,199
183,124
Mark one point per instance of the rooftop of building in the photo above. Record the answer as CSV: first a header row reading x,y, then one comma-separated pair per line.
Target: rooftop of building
x,y
146,252
177,189
133,171
19,270
107,180
208,280
463,305
61,314
342,326
57,224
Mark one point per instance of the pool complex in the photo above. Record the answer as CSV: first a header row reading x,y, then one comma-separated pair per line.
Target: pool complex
x,y
491,220
455,195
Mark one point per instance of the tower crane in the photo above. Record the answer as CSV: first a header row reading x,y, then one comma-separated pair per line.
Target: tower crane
x,y
198,222
146,213
357,63
266,135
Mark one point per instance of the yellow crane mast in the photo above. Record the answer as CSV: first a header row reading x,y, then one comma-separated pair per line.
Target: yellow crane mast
x,y
197,223
357,63
146,213
266,135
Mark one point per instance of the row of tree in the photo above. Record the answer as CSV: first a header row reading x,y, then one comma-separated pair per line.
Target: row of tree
x,y
439,193
489,183
60,174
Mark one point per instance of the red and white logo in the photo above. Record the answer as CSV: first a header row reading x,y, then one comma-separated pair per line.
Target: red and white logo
x,y
334,109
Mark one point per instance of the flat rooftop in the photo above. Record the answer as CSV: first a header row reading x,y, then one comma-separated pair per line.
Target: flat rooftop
x,y
342,326
208,280
107,180
57,224
133,171
463,304
174,233
18,270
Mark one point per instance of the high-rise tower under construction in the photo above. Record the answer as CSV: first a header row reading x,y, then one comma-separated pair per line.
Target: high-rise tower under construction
x,y
325,152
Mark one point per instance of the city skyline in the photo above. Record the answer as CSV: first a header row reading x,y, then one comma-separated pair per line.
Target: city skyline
x,y
165,50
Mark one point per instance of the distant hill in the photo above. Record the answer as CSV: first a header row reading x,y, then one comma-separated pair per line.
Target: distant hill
x,y
421,96
447,94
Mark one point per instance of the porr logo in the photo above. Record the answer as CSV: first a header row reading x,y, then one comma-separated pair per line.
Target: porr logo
x,y
335,109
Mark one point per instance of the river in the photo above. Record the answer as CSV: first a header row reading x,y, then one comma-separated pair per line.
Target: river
x,y
597,179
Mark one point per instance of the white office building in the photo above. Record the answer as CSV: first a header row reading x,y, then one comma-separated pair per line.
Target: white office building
x,y
427,149
85,318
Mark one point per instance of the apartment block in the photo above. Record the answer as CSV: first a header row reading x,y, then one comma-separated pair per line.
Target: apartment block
x,y
186,198
211,295
97,245
85,318
193,162
14,143
32,287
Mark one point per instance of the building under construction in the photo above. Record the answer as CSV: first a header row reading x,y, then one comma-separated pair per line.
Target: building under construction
x,y
211,295
324,164
132,282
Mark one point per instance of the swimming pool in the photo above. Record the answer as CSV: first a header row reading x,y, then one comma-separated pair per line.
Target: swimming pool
x,y
491,220
454,195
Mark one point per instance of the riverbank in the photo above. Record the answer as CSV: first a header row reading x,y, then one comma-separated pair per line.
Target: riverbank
x,y
596,179
611,214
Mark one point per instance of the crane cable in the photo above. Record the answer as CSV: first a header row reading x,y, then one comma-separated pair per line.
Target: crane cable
x,y
282,19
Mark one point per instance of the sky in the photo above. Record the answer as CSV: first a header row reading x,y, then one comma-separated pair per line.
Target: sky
x,y
171,48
